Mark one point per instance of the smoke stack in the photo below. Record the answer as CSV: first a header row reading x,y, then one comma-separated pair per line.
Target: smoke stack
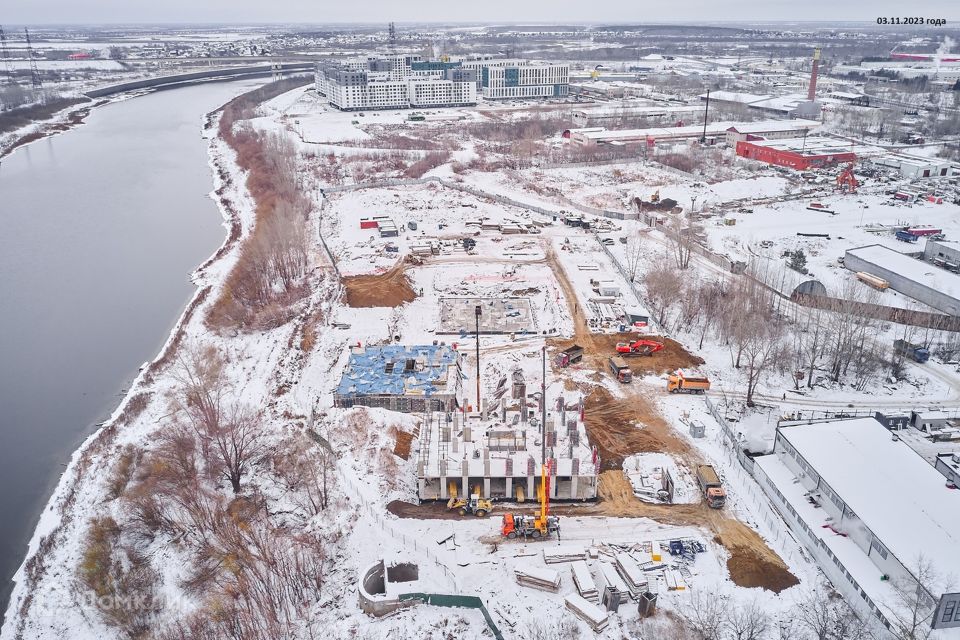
x,y
812,93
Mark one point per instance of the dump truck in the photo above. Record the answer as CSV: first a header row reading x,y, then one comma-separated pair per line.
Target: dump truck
x,y
641,347
621,370
710,485
687,382
569,356
910,350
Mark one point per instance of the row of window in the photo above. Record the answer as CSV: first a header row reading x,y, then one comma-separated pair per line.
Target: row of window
x,y
818,542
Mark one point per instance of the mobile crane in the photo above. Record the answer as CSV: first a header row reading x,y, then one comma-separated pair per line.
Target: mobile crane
x,y
539,526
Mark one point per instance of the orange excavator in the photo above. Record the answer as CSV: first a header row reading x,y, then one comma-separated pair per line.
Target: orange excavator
x,y
641,347
539,526
846,181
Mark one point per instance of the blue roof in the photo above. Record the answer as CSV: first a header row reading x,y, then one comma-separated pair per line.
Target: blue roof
x,y
396,369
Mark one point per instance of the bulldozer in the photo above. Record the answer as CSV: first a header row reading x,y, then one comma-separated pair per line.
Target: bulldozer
x,y
536,527
641,347
475,505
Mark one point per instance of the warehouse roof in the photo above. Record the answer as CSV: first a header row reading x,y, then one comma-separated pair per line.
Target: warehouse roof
x,y
916,270
398,370
817,146
900,497
769,126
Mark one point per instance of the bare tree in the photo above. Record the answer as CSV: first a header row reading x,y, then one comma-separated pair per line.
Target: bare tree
x,y
229,433
762,349
663,285
706,614
912,616
634,251
747,622
825,615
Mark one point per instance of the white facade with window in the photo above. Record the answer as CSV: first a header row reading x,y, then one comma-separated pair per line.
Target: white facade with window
x,y
868,507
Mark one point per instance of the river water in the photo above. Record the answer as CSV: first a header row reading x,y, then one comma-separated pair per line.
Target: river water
x,y
100,227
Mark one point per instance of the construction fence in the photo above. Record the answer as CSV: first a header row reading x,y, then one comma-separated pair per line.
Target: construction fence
x,y
456,601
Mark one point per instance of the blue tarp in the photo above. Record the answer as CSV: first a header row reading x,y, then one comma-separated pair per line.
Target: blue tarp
x,y
391,370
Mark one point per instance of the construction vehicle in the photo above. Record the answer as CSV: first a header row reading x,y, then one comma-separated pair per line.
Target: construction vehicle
x,y
475,506
910,350
656,196
687,382
621,370
846,181
641,347
711,486
569,356
536,527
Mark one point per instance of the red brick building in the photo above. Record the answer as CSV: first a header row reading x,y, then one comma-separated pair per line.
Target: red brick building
x,y
797,153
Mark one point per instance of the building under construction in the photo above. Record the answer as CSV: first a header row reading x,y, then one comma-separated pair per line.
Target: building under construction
x,y
409,379
498,454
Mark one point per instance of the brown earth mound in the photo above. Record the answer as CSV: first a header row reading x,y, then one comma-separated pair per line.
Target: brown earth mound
x,y
388,289
402,447
752,563
612,426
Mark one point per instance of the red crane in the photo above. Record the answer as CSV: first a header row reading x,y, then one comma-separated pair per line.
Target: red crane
x,y
846,181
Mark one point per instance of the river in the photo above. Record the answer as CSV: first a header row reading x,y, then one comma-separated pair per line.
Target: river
x,y
100,228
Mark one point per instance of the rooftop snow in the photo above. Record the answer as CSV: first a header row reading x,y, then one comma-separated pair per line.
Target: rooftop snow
x,y
397,370
818,145
911,268
894,491
732,96
774,125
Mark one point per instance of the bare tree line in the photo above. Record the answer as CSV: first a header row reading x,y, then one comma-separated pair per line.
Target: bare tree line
x,y
270,274
254,576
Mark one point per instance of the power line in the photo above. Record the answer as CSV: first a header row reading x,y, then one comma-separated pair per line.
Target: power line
x,y
34,72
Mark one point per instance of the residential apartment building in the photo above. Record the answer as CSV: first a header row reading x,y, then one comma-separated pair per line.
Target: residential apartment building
x,y
521,79
405,81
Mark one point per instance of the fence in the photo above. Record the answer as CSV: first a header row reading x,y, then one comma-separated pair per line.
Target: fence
x,y
388,527
466,602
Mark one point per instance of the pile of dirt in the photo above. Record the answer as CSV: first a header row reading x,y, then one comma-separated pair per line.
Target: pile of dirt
x,y
402,447
612,426
752,563
388,289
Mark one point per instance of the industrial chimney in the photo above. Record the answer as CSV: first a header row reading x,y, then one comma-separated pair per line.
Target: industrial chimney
x,y
812,93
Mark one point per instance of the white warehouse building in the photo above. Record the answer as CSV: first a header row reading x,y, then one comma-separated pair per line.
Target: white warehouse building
x,y
877,517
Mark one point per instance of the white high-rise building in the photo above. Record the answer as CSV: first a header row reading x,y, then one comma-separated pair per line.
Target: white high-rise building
x,y
404,81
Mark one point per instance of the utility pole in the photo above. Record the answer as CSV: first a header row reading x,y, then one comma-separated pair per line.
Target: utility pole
x,y
477,311
706,112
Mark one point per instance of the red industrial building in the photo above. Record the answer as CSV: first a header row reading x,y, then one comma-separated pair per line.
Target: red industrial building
x,y
796,153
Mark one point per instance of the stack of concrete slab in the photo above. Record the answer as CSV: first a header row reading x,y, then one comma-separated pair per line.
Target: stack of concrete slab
x,y
537,578
584,582
554,555
587,611
633,576
674,580
613,579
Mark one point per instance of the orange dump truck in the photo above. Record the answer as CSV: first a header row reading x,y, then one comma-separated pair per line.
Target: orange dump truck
x,y
711,486
687,382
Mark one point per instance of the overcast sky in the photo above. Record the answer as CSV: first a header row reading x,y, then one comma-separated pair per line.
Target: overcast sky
x,y
550,11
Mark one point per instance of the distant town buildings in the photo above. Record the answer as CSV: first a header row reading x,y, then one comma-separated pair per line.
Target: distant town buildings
x,y
409,81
